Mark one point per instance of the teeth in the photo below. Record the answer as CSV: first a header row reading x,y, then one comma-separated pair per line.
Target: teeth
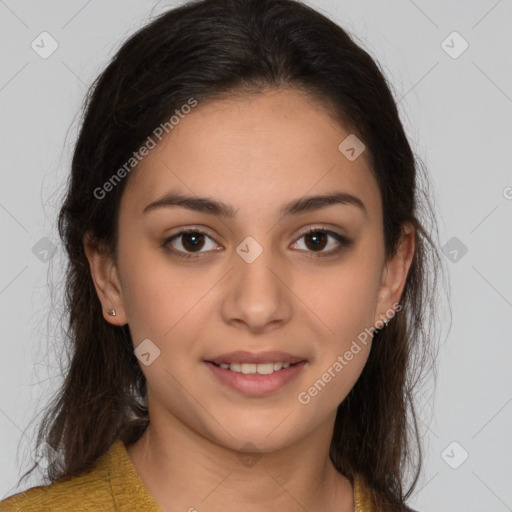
x,y
252,368
248,368
236,367
265,368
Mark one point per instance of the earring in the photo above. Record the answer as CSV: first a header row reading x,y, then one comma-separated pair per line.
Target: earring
x,y
112,312
380,329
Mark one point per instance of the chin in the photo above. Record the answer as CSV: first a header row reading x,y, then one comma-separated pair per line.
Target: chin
x,y
268,434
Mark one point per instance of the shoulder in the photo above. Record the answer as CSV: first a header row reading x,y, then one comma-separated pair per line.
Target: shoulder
x,y
87,491
82,493
363,497
112,484
367,500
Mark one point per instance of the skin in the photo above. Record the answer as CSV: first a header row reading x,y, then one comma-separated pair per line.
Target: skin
x,y
255,153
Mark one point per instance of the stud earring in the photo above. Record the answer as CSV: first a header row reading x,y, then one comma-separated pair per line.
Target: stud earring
x,y
112,312
377,330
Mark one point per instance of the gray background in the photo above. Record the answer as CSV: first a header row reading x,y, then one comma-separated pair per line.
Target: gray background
x,y
457,110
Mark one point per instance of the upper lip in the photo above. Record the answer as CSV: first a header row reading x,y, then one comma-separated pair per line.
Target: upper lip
x,y
242,356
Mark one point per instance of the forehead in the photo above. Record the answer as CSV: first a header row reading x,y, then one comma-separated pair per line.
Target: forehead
x,y
253,150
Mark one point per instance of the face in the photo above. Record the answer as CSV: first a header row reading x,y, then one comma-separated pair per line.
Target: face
x,y
270,274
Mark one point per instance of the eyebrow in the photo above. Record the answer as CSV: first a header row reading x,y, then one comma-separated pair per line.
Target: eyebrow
x,y
219,209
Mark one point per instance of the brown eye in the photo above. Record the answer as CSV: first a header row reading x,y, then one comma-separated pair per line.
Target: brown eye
x,y
192,241
189,243
317,239
186,243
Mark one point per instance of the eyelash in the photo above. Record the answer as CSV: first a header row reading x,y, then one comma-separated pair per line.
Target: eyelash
x,y
342,240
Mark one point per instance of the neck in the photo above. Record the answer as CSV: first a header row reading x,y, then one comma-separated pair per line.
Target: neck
x,y
186,471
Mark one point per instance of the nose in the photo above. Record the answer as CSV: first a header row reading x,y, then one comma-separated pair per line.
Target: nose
x,y
257,294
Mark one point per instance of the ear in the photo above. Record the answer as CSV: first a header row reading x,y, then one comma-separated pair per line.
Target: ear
x,y
394,276
106,281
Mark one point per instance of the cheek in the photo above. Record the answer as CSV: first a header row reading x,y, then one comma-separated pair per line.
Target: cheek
x,y
153,295
343,299
343,302
163,302
344,313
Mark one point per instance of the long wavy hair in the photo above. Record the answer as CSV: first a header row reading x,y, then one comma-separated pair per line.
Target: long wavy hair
x,y
208,49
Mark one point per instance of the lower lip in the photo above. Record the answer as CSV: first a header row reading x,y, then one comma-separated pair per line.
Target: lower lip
x,y
256,384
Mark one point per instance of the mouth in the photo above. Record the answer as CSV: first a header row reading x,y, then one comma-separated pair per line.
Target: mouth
x,y
255,374
246,357
255,369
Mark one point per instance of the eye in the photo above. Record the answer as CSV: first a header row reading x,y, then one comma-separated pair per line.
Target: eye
x,y
188,243
318,238
190,240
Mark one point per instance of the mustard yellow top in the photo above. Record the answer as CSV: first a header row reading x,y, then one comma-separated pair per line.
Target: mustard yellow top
x,y
113,485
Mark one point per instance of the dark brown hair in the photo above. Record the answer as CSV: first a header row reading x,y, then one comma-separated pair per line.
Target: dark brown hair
x,y
206,49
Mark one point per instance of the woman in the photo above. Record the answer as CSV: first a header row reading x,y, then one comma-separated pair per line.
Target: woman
x,y
249,280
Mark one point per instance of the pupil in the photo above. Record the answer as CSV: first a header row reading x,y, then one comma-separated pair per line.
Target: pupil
x,y
193,241
318,238
194,238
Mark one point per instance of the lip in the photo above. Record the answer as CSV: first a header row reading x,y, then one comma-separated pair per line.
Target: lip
x,y
243,356
256,384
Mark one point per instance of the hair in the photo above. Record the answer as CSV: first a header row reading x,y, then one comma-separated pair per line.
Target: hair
x,y
208,50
